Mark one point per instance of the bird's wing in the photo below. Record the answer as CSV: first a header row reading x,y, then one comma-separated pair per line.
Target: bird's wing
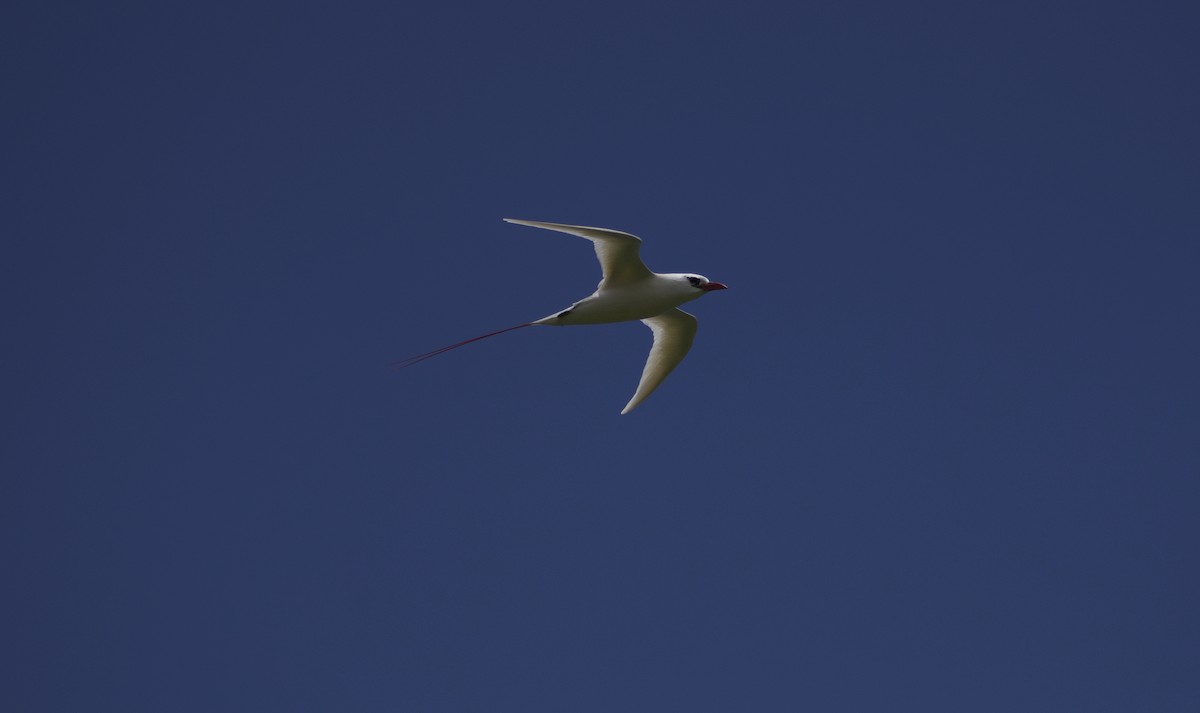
x,y
673,335
617,251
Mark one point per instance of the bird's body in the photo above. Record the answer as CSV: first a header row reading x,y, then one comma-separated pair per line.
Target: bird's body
x,y
641,299
627,291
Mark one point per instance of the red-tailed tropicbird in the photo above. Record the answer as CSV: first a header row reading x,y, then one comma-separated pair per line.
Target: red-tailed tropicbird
x,y
628,290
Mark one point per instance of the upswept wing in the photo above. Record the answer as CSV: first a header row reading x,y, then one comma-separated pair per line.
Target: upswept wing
x,y
673,335
617,251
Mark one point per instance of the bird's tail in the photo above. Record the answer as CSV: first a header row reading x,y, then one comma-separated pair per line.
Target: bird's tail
x,y
402,363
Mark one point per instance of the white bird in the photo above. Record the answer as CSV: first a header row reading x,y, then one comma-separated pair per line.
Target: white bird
x,y
628,290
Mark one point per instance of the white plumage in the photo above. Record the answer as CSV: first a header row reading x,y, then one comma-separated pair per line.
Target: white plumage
x,y
628,290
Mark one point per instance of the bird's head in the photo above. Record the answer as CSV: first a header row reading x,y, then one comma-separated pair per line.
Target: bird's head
x,y
700,282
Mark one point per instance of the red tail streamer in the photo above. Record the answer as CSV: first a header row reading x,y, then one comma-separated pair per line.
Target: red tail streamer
x,y
401,364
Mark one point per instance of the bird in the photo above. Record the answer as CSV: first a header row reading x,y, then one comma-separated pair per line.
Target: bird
x,y
628,291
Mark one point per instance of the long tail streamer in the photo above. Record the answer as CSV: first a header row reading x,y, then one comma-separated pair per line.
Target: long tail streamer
x,y
401,364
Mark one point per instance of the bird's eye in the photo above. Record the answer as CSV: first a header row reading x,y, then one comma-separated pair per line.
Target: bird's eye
x,y
694,280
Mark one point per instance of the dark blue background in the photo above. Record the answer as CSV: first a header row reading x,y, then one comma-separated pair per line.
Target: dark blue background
x,y
935,449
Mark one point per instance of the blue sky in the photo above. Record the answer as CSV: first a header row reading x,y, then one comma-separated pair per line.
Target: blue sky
x,y
934,450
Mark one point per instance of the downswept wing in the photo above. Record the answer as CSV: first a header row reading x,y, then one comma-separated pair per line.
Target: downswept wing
x,y
673,335
620,262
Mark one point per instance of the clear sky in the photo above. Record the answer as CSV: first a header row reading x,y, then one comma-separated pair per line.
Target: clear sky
x,y
936,449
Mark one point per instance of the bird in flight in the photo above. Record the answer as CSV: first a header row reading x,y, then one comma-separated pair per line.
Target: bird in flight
x,y
628,290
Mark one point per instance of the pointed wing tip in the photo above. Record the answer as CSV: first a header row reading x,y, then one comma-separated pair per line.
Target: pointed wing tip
x,y
531,223
633,403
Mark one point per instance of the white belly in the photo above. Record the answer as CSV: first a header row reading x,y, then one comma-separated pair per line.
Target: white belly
x,y
629,302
